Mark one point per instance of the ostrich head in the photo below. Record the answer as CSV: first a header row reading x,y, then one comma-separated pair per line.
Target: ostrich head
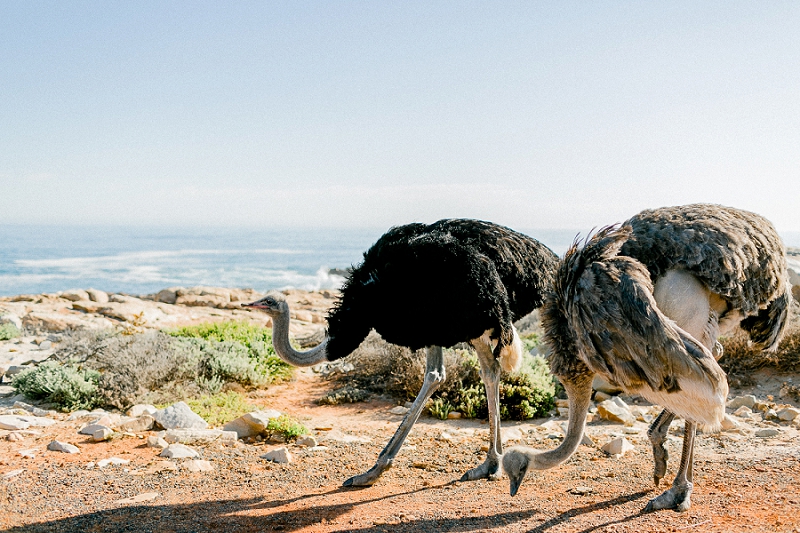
x,y
274,304
515,464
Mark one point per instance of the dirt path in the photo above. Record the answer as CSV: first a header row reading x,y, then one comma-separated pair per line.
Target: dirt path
x,y
742,483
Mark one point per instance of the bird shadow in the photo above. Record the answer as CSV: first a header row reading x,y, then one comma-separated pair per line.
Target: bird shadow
x,y
598,506
262,514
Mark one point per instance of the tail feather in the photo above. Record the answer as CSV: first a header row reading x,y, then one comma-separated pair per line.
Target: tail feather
x,y
766,329
605,303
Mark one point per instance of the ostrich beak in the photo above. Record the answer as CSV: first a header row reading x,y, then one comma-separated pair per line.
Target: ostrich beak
x,y
515,484
255,305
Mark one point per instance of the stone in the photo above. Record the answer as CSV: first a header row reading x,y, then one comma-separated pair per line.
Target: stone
x,y
13,423
111,461
178,451
278,455
91,429
601,396
198,465
251,424
64,447
744,412
179,415
35,411
399,410
587,441
199,436
788,414
45,345
729,424
601,384
75,295
510,434
102,434
141,409
156,442
746,401
139,498
612,410
168,296
13,473
453,415
137,425
580,491
97,296
307,441
617,447
767,432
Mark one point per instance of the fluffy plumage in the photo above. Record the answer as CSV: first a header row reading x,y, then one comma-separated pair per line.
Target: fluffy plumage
x,y
440,284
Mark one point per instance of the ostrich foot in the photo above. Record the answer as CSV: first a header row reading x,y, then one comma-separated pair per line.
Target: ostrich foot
x,y
490,469
660,457
367,478
678,497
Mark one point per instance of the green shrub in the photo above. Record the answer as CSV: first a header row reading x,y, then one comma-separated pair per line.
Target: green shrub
x,y
67,387
440,408
218,409
257,340
346,394
8,331
285,426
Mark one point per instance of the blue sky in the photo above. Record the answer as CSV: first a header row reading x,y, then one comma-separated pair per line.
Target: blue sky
x,y
370,114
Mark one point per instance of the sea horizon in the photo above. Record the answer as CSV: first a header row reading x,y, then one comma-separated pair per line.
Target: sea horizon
x,y
47,258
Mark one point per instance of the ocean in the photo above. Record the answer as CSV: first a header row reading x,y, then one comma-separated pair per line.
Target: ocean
x,y
143,260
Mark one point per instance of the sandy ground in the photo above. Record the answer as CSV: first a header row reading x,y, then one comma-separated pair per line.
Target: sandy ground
x,y
742,483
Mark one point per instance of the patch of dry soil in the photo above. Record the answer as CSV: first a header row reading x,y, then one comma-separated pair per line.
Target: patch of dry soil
x,y
742,483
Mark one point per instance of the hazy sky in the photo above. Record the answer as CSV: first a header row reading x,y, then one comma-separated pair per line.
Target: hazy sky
x,y
531,114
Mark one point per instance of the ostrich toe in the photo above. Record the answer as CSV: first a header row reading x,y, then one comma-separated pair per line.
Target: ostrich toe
x,y
677,497
489,469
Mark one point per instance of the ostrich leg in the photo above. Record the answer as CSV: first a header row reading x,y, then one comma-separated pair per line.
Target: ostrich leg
x,y
434,376
658,435
490,375
678,496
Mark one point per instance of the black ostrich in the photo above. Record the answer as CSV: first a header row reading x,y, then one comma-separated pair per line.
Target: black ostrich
x,y
429,286
643,306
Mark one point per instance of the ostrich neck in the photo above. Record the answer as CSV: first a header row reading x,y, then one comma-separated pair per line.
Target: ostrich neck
x,y
284,349
579,392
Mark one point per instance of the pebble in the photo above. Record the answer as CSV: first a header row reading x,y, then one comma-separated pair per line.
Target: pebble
x,y
156,442
747,401
399,410
307,441
113,461
198,465
617,447
102,434
91,429
64,447
178,451
580,491
744,412
278,455
767,432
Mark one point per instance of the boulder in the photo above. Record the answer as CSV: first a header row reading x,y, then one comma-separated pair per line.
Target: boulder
x,y
788,414
748,401
251,424
617,447
168,296
278,455
97,296
178,451
63,447
179,416
141,409
74,295
615,410
137,425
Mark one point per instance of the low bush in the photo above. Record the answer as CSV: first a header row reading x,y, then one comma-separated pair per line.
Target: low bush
x,y
286,427
740,359
66,387
8,331
220,408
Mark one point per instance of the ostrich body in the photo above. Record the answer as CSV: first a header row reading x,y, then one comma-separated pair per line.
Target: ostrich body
x,y
643,306
429,286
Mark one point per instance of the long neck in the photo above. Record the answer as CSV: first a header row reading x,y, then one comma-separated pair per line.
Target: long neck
x,y
284,349
579,392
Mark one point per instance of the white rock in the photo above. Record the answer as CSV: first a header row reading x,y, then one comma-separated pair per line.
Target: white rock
x,y
199,436
278,455
252,424
747,401
137,425
788,414
179,415
744,412
13,473
510,434
198,465
113,461
102,434
75,295
399,410
767,432
307,441
141,409
615,410
13,423
64,447
29,453
178,451
156,442
729,424
97,296
318,449
91,429
139,498
617,447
